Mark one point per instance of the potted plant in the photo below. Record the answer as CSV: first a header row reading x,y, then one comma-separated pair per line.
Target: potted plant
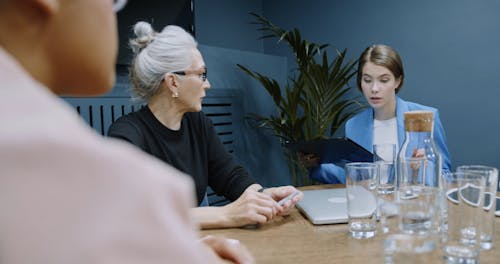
x,y
314,102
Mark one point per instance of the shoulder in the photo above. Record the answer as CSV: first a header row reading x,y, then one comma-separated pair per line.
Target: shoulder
x,y
360,118
416,106
128,127
198,120
130,119
197,117
100,161
412,106
97,179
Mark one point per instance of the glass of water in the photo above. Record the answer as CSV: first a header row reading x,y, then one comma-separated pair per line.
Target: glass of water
x,y
361,185
464,194
412,232
488,213
384,156
419,214
408,249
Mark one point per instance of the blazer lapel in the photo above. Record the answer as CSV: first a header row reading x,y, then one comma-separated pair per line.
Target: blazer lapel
x,y
401,108
362,130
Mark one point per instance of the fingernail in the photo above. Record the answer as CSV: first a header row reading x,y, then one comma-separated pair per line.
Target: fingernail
x,y
233,241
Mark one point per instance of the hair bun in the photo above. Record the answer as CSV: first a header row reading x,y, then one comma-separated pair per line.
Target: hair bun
x,y
144,35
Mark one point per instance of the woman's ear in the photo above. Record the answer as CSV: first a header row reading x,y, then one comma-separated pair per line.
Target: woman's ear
x,y
171,83
398,83
47,6
33,8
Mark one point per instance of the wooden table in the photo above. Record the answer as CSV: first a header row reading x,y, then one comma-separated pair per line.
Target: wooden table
x,y
293,239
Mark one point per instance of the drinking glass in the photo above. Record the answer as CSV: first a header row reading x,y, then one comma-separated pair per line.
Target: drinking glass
x,y
384,156
361,179
420,203
388,214
408,249
411,233
488,213
419,214
464,193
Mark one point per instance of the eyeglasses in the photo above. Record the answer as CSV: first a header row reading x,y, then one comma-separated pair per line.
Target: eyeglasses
x,y
202,76
119,5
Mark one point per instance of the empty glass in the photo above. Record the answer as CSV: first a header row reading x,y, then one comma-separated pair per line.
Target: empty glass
x,y
488,213
464,194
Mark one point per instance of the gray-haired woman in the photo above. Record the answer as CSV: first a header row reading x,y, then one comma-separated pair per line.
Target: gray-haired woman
x,y
169,73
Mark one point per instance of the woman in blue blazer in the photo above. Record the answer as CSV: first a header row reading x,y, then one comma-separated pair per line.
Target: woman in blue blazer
x,y
380,77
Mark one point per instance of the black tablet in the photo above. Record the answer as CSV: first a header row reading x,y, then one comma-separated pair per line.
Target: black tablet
x,y
335,150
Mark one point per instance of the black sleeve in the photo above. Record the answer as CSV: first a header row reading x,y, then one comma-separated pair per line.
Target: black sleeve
x,y
225,176
126,129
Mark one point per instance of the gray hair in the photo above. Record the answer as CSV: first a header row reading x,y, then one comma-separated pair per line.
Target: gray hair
x,y
157,53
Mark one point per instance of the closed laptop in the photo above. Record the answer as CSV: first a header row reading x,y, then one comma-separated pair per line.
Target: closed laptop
x,y
327,206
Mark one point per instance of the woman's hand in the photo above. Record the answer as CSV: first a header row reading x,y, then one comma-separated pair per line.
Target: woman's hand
x,y
253,207
250,208
279,193
418,153
230,249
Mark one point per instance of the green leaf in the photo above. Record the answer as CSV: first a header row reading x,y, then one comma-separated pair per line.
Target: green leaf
x,y
316,100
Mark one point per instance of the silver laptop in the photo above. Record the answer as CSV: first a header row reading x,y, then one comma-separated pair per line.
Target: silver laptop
x,y
324,206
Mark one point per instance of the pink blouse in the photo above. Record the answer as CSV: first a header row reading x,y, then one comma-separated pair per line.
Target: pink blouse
x,y
67,195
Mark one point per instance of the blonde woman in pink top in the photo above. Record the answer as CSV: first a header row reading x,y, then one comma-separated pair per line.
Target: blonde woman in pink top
x,y
65,194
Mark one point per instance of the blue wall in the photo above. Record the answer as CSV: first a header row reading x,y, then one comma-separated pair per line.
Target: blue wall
x,y
227,38
449,48
257,150
226,23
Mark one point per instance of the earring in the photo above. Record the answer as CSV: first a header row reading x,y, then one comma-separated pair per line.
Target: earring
x,y
175,95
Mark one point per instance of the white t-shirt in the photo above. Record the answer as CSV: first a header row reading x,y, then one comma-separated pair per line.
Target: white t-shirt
x,y
385,132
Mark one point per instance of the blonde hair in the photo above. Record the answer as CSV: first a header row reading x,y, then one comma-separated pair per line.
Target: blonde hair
x,y
157,53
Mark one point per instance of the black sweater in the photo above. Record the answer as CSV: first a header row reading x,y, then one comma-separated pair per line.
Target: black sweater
x,y
195,149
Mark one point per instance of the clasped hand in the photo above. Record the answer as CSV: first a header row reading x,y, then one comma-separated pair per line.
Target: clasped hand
x,y
260,207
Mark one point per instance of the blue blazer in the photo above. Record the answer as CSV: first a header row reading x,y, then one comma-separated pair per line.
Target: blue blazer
x,y
360,129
